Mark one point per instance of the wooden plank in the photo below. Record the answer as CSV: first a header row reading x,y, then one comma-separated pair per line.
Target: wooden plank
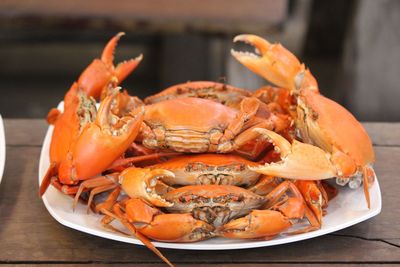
x,y
193,265
372,93
30,234
173,15
383,133
187,10
387,169
29,132
32,131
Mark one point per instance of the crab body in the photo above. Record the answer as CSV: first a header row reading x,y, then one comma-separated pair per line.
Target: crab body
x,y
218,92
206,169
197,125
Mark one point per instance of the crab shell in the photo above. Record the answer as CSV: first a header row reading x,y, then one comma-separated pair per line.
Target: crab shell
x,y
166,227
330,126
198,125
218,92
215,204
100,143
209,169
101,74
342,146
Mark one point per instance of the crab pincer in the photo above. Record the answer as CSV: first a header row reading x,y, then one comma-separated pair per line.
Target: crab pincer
x,y
100,143
101,75
278,214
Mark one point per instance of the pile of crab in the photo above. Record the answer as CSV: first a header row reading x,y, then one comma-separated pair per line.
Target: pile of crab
x,y
204,159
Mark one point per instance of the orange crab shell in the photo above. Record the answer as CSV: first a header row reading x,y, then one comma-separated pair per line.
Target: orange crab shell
x,y
102,73
197,118
189,169
218,92
335,129
98,146
62,138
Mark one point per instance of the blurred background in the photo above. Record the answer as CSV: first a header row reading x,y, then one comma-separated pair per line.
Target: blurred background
x,y
352,47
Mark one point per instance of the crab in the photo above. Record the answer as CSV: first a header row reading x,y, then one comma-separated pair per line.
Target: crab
x,y
97,80
334,143
215,204
218,92
93,148
192,213
204,169
195,125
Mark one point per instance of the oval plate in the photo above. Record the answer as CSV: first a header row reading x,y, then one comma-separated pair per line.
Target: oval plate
x,y
343,211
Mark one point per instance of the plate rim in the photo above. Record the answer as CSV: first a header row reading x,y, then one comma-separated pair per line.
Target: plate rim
x,y
198,245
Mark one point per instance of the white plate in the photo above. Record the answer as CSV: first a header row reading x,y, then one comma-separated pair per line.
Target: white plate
x,y
2,148
347,209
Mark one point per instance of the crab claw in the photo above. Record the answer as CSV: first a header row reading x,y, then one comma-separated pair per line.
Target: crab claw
x,y
258,224
298,160
145,184
166,227
100,143
274,63
101,74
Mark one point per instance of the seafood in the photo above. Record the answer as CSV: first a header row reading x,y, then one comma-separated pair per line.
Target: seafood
x,y
93,148
205,211
218,92
101,75
196,125
98,79
336,144
205,159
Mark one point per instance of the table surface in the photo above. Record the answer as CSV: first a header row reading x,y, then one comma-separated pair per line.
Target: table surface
x,y
30,236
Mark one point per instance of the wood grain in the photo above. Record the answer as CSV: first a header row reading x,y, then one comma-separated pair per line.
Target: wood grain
x,y
194,265
25,132
383,133
155,15
30,234
188,10
31,132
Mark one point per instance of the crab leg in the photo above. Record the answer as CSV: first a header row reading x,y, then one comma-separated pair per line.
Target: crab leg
x,y
118,214
276,218
265,185
136,159
110,201
314,196
368,177
250,107
94,183
166,227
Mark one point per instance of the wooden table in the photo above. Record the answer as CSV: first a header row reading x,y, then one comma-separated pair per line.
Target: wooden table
x,y
30,236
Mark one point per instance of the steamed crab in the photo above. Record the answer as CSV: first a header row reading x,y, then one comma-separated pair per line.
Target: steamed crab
x,y
335,143
97,80
214,160
204,211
